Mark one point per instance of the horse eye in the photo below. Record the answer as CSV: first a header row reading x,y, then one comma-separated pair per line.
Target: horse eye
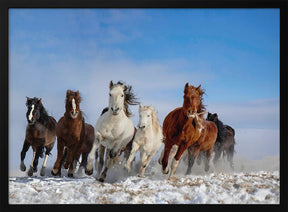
x,y
122,95
109,94
148,115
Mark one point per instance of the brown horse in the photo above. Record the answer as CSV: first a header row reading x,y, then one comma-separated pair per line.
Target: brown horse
x,y
205,144
74,136
182,127
40,133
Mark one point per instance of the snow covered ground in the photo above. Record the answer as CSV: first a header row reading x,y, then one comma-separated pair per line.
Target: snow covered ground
x,y
251,182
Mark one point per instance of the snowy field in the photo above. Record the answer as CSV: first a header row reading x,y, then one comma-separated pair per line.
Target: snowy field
x,y
252,182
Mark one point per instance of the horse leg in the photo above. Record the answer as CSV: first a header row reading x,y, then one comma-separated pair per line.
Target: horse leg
x,y
193,153
175,160
89,167
36,154
199,158
56,171
165,158
84,160
70,159
230,154
218,150
25,148
161,157
30,171
145,163
207,159
127,152
190,160
108,164
135,147
47,153
101,152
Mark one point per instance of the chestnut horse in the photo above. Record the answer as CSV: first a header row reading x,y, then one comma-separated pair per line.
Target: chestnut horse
x,y
40,133
205,144
74,136
181,127
225,139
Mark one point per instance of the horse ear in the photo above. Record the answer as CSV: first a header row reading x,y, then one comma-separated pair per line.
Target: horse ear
x,y
77,93
68,92
140,106
124,86
186,87
40,101
111,84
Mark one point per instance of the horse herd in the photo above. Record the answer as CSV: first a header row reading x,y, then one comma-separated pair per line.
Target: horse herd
x,y
184,128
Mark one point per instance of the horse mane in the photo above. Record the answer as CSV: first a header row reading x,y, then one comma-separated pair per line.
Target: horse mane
x,y
201,107
129,98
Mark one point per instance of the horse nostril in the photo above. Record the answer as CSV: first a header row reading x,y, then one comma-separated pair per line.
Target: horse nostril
x,y
189,111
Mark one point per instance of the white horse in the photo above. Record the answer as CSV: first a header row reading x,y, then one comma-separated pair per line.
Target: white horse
x,y
114,129
148,138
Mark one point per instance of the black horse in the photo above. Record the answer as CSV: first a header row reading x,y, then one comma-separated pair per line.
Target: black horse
x,y
40,133
225,141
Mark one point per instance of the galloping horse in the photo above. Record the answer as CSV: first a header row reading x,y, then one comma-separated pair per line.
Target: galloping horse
x,y
74,136
225,140
148,138
114,129
40,133
182,127
205,144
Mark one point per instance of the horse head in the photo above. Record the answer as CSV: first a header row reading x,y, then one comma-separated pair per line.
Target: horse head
x,y
116,97
72,105
33,110
145,116
192,100
212,117
120,97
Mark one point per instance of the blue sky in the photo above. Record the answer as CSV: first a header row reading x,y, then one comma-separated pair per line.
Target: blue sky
x,y
232,53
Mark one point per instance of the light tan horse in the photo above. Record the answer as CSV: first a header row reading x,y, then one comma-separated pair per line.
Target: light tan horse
x,y
148,138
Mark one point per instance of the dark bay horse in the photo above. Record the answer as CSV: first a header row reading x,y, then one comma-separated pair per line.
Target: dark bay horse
x,y
40,133
74,136
225,141
181,127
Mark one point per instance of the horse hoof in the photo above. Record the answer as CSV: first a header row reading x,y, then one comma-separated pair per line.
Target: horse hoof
x,y
207,169
66,166
112,154
22,167
70,174
30,172
56,174
166,171
101,180
88,172
188,173
42,172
